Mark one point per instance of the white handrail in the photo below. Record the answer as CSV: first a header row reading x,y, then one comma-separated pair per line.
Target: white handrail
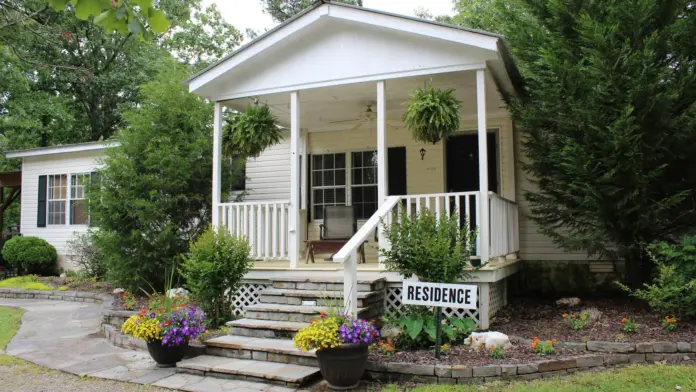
x,y
264,223
348,255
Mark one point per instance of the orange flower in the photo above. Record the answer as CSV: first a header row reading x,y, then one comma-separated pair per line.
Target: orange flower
x,y
574,316
623,320
491,347
565,315
536,338
554,340
548,342
322,315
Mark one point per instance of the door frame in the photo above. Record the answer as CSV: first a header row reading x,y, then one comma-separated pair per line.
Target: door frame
x,y
498,156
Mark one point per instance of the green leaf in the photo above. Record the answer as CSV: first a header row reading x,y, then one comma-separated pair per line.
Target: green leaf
x,y
143,4
157,20
85,8
136,27
413,325
58,5
104,17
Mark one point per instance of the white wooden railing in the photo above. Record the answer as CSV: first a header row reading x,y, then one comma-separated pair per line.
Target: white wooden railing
x,y
504,219
264,223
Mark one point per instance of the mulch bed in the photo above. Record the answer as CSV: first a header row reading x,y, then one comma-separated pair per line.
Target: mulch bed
x,y
464,355
530,318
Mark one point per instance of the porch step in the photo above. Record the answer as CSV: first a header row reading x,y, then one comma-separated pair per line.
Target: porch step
x,y
248,369
326,284
322,298
265,328
296,313
259,349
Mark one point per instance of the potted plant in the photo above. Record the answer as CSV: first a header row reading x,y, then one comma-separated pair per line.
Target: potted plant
x,y
341,343
248,133
166,325
432,114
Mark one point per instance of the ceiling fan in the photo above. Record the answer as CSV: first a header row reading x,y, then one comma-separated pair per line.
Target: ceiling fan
x,y
366,117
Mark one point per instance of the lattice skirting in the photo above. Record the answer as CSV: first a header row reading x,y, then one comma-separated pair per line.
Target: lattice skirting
x,y
247,295
497,299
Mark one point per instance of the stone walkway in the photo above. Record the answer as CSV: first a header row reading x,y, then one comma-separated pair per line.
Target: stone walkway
x,y
65,336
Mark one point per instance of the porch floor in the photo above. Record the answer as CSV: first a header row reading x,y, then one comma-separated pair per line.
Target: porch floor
x,y
319,264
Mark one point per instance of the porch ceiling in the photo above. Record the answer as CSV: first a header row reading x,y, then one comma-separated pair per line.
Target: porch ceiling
x,y
321,106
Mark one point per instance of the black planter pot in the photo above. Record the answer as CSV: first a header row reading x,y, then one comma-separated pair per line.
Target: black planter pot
x,y
475,262
166,356
343,367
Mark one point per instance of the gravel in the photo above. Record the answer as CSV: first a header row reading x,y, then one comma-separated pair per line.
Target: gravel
x,y
27,377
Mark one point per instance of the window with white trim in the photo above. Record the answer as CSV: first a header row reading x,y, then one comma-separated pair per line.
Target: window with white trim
x,y
57,198
328,182
364,183
79,207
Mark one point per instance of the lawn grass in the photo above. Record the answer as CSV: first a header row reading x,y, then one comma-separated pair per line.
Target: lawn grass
x,y
23,282
10,319
637,378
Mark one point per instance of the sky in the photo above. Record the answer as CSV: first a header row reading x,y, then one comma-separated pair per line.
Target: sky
x,y
244,14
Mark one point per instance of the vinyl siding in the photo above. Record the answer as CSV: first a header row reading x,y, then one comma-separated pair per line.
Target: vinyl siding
x,y
534,245
268,176
32,168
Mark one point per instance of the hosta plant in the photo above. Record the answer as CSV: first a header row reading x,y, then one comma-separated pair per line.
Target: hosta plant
x,y
432,114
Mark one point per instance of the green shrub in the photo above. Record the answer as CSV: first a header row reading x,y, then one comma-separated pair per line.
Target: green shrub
x,y
213,270
86,255
673,289
419,329
435,250
31,255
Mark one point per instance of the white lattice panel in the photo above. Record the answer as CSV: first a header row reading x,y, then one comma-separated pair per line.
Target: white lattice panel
x,y
498,296
247,295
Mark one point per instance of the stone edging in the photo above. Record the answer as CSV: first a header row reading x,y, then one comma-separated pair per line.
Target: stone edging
x,y
463,374
620,347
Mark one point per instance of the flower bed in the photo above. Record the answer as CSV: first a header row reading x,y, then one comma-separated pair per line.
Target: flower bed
x,y
528,318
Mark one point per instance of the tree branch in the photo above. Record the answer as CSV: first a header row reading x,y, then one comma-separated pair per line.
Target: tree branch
x,y
22,19
41,65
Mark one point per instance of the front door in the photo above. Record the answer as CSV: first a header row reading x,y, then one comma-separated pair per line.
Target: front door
x,y
463,162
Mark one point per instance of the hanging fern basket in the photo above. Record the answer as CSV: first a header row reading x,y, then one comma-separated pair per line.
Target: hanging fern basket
x,y
248,133
432,114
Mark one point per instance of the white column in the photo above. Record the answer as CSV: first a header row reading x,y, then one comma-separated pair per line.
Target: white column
x,y
217,162
350,284
303,175
382,168
484,221
294,210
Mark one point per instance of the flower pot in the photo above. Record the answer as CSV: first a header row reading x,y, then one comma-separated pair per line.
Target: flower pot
x,y
475,262
343,367
166,356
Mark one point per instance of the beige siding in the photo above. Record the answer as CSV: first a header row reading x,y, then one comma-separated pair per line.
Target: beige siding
x,y
534,245
32,168
268,176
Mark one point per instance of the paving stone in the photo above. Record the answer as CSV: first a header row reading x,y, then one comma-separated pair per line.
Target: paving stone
x,y
178,381
508,370
412,368
460,371
590,361
561,364
94,365
528,368
636,358
654,357
486,371
444,371
203,363
578,346
684,347
611,347
154,376
644,347
616,359
665,347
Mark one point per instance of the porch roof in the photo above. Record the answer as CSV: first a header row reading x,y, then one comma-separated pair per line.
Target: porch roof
x,y
332,44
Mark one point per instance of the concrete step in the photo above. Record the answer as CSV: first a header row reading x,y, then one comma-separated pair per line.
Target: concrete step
x,y
324,284
259,349
284,374
264,328
322,298
296,313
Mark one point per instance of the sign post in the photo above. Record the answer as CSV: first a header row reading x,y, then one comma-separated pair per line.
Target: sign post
x,y
439,295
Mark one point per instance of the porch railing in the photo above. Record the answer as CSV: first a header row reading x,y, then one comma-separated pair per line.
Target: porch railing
x,y
264,223
504,219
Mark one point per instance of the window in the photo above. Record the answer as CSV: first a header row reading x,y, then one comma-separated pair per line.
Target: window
x,y
57,198
364,183
79,209
328,182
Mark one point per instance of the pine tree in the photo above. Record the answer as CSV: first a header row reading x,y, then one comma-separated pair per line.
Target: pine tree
x,y
608,118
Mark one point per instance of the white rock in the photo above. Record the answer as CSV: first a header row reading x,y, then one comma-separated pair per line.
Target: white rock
x,y
63,275
390,332
487,339
119,291
570,302
178,292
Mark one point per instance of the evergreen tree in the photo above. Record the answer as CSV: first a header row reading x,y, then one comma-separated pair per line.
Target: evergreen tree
x,y
608,116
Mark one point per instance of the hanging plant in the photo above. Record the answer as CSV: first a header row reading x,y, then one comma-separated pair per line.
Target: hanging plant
x,y
247,134
432,114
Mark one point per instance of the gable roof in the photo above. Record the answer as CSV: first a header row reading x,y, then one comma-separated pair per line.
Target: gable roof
x,y
318,4
62,149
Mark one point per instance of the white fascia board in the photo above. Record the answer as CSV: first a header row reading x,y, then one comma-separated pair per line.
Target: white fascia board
x,y
258,47
416,27
61,149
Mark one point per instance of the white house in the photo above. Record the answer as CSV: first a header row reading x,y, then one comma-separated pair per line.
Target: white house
x,y
53,200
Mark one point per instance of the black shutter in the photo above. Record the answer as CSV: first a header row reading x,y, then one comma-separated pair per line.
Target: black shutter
x,y
309,190
396,168
41,208
93,181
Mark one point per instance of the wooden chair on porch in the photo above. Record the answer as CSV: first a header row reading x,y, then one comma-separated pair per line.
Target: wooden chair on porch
x,y
339,226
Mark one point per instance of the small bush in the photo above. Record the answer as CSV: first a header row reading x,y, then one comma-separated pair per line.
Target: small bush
x,y
25,283
419,330
213,269
86,255
673,289
31,255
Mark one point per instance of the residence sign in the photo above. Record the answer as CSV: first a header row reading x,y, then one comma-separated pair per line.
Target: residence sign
x,y
443,295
